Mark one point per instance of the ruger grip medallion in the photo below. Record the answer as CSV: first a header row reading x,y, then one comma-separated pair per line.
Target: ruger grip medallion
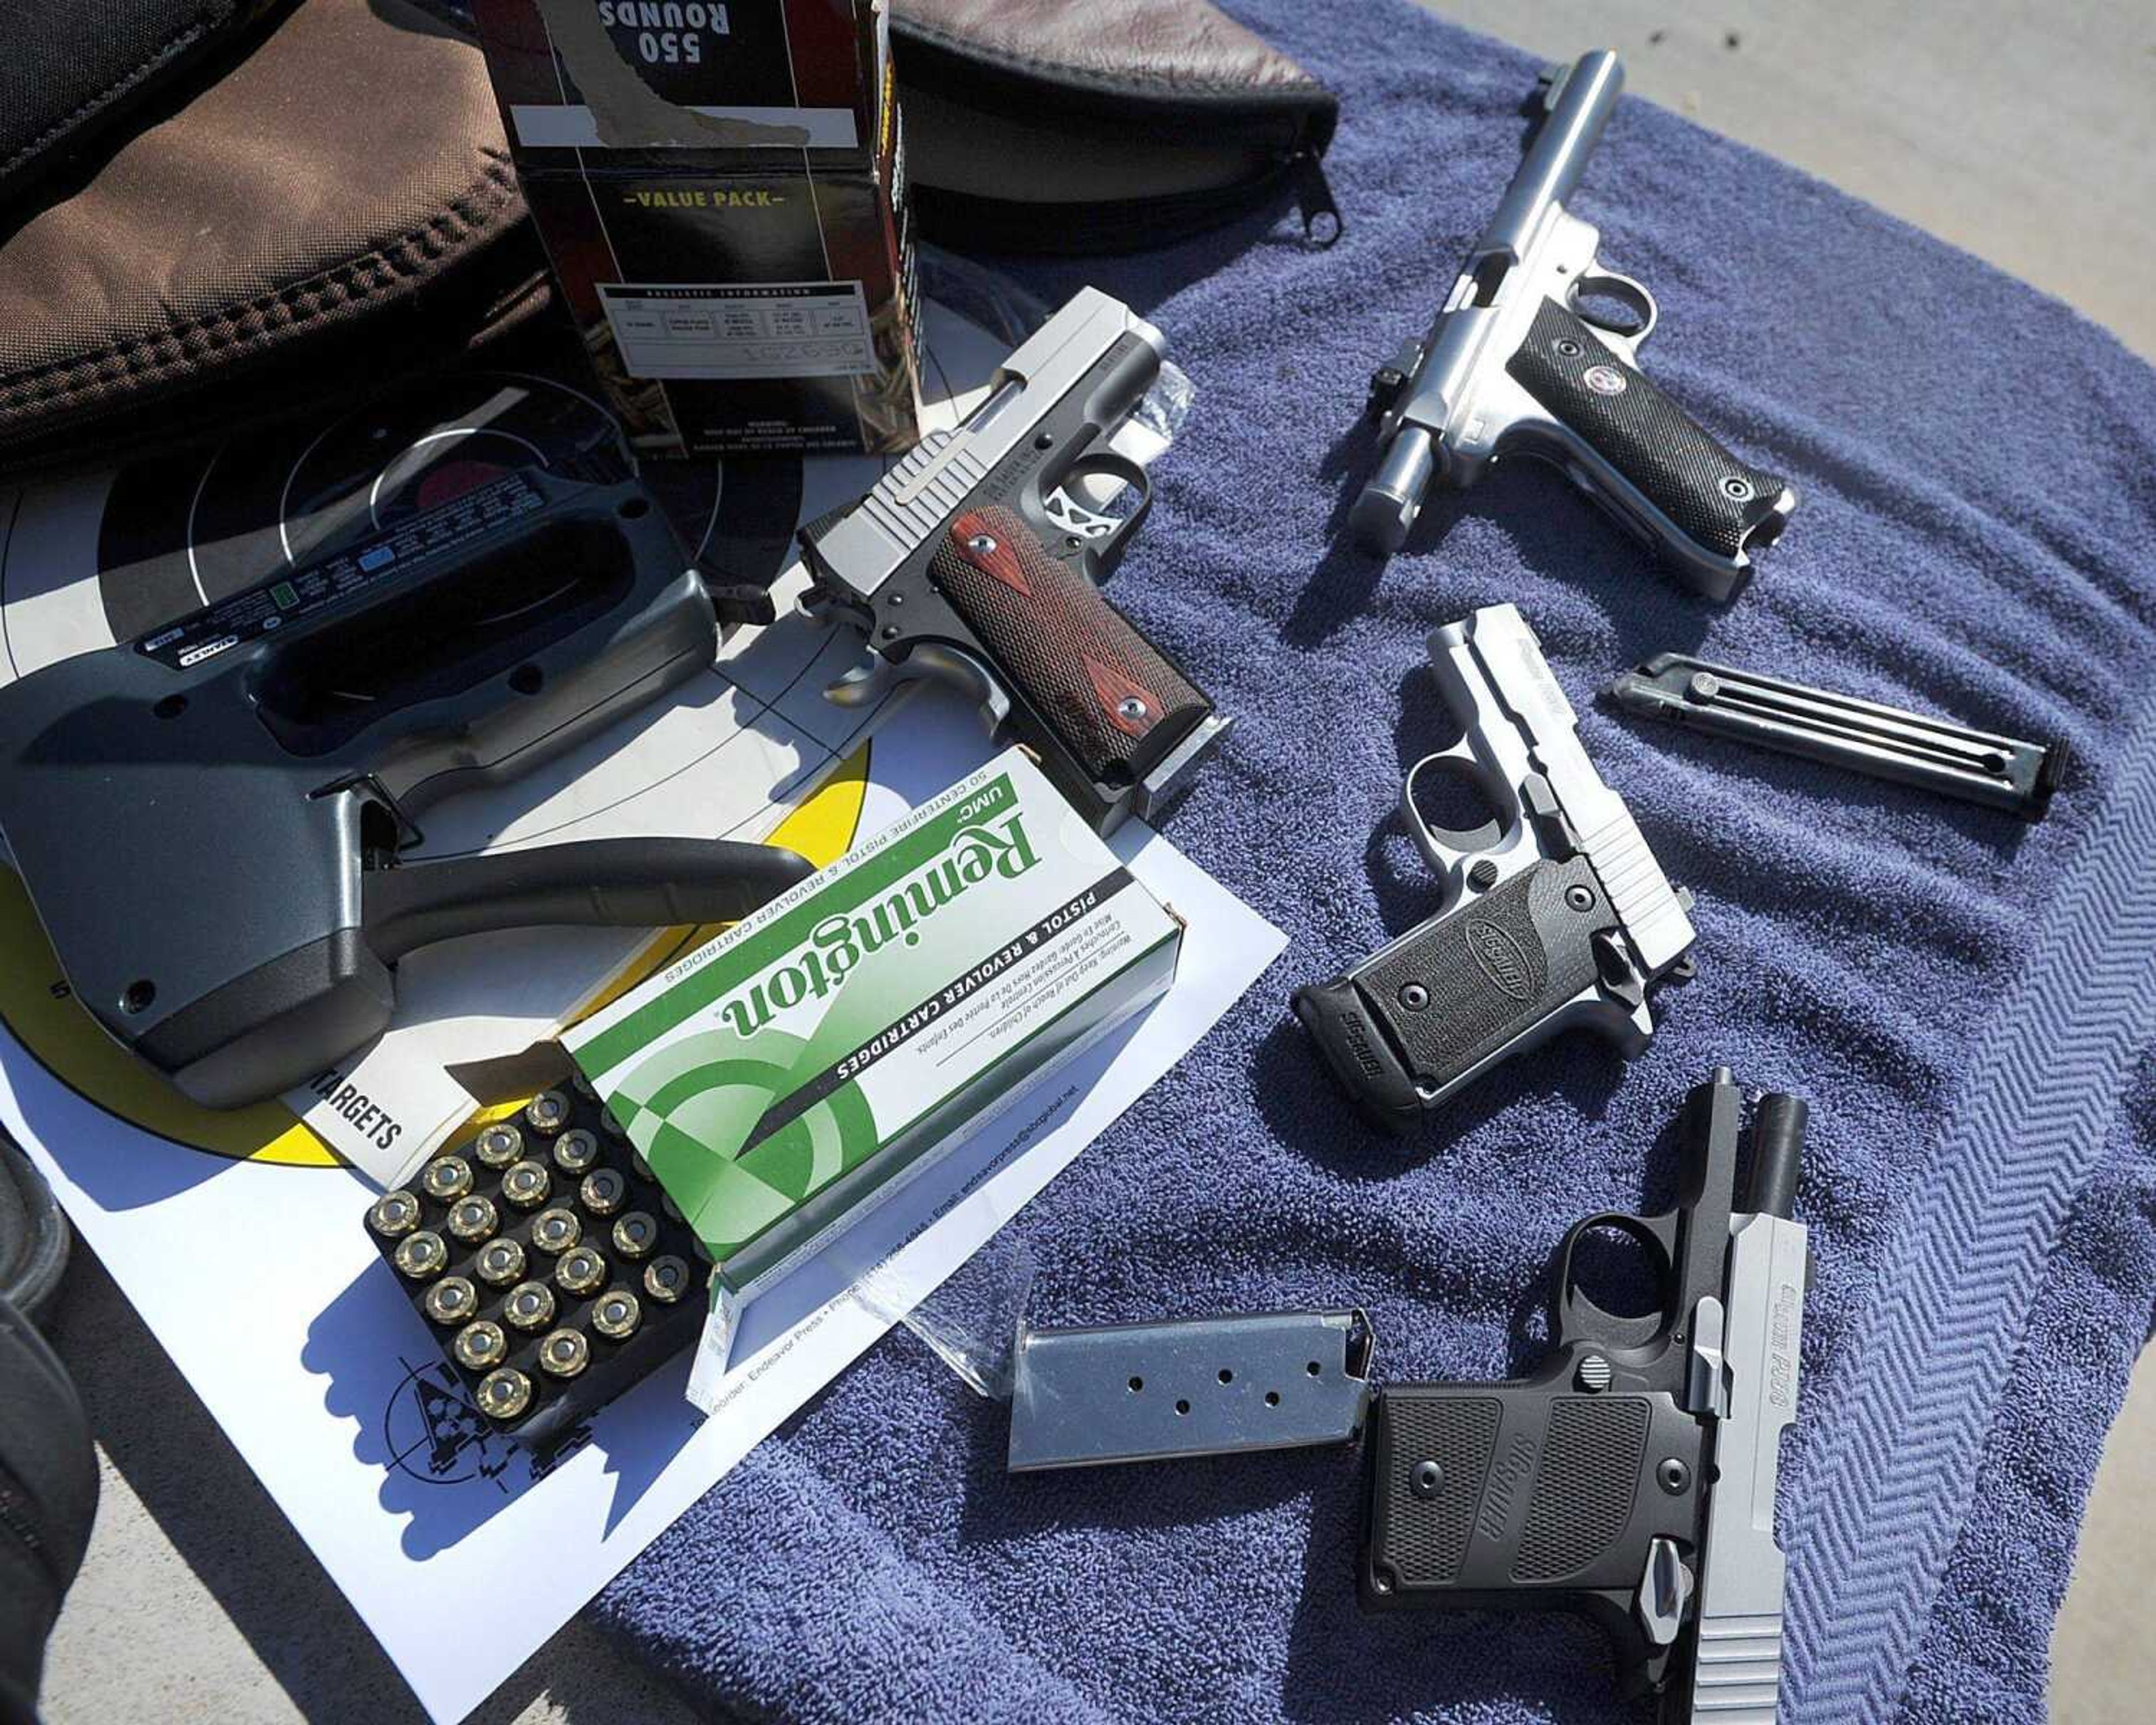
x,y
970,563
1520,358
1555,912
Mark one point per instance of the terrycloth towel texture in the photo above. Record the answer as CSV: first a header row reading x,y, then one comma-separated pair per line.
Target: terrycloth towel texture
x,y
1967,1002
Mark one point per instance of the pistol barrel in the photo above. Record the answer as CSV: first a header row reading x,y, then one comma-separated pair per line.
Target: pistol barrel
x,y
1577,108
1778,1151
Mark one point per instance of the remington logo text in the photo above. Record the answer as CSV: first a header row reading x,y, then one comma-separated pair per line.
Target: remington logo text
x,y
815,969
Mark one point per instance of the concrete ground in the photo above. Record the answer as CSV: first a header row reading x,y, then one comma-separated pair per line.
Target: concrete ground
x,y
2022,132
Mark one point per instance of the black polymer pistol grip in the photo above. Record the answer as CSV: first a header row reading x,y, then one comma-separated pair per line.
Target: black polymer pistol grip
x,y
1589,1486
208,820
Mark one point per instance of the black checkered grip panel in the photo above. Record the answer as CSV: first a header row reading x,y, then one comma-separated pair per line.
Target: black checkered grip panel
x,y
1113,702
1497,965
1424,1537
1584,1488
1714,499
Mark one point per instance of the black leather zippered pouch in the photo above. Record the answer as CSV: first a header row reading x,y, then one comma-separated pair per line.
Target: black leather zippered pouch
x,y
1034,126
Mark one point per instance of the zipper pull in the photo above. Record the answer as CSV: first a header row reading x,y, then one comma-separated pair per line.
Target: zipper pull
x,y
1322,222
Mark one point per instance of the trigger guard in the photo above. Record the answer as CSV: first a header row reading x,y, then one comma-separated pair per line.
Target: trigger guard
x,y
1611,285
940,662
1580,1320
1105,458
1443,848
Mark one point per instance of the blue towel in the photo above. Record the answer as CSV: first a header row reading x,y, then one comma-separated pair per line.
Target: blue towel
x,y
1967,1002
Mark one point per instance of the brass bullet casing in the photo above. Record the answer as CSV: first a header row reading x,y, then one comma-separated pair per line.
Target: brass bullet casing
x,y
452,1300
529,1306
575,1151
635,1234
666,1278
582,1086
422,1254
564,1353
640,1167
446,1178
480,1346
547,1113
614,1314
610,1125
526,1184
473,1218
499,1144
503,1393
603,1191
394,1214
580,1271
555,1230
500,1263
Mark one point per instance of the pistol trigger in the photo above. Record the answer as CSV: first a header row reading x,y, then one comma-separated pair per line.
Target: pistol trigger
x,y
876,677
1665,1592
1074,519
961,670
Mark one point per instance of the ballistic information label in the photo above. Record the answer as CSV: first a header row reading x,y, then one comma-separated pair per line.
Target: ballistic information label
x,y
813,329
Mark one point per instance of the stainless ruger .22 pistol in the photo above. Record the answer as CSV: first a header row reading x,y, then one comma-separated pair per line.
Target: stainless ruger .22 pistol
x,y
1518,361
1555,912
971,561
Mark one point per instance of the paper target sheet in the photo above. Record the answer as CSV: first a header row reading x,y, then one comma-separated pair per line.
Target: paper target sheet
x,y
340,1399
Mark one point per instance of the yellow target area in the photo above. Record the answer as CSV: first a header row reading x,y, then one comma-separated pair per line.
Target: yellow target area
x,y
40,1011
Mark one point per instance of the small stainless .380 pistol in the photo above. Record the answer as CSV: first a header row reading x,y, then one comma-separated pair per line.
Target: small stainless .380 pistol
x,y
1555,912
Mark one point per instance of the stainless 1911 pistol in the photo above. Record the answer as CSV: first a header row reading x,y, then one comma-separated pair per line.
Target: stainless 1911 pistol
x,y
972,562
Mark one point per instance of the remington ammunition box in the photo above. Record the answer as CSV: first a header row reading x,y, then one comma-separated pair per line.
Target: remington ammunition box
x,y
795,1075
721,189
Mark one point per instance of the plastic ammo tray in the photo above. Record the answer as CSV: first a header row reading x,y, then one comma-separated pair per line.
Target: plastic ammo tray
x,y
546,1262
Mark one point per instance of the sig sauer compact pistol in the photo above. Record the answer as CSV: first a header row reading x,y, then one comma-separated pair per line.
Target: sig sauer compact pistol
x,y
971,561
1554,913
1629,1479
1520,359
